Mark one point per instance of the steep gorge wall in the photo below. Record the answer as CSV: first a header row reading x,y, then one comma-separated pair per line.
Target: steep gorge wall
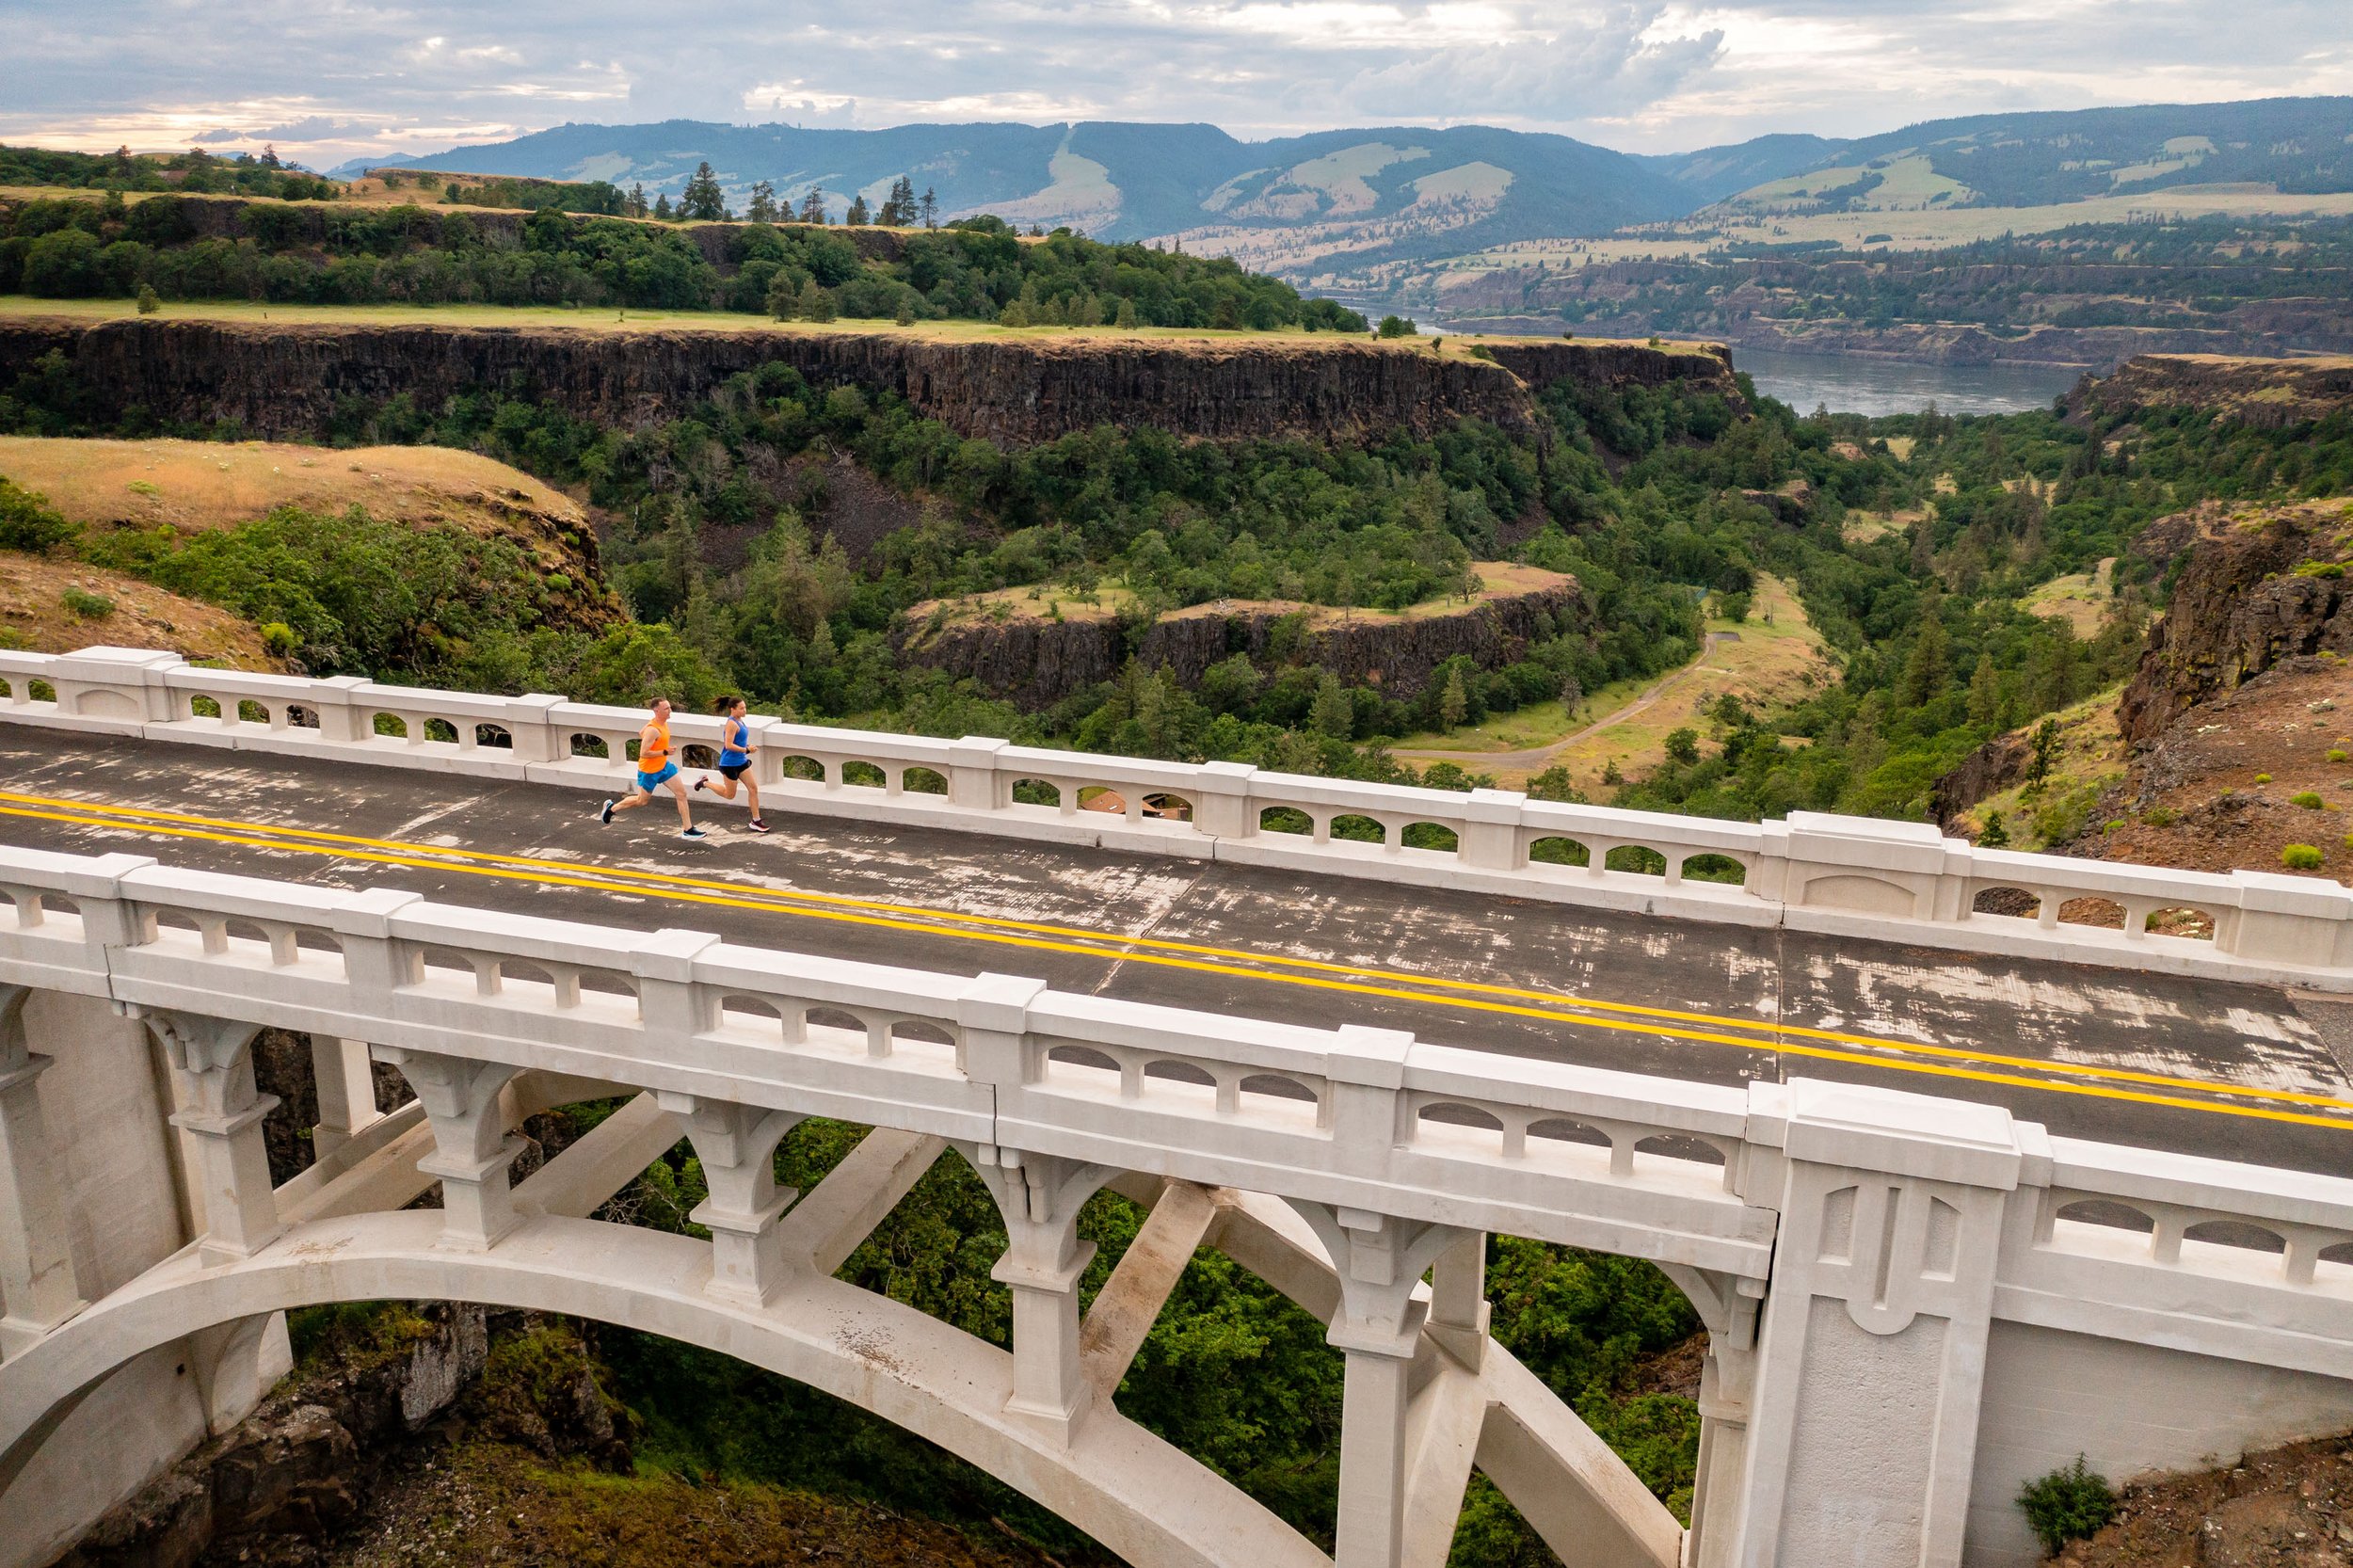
x,y
287,379
2241,606
2264,394
1037,663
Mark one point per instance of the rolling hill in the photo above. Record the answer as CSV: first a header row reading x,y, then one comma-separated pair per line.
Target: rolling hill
x,y
1363,203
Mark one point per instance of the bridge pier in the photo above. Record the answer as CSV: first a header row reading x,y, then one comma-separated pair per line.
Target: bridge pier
x,y
39,1288
737,1145
1040,1196
220,1111
1871,1357
346,1091
472,1147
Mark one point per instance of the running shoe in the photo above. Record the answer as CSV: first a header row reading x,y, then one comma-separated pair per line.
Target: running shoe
x,y
693,833
605,815
701,784
759,824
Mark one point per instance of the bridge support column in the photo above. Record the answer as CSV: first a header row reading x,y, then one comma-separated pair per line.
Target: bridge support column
x,y
1380,1260
472,1147
1862,1420
1458,1299
346,1089
1040,1197
1727,1306
221,1112
38,1288
737,1145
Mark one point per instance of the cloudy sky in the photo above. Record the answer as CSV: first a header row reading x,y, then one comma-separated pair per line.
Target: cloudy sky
x,y
328,80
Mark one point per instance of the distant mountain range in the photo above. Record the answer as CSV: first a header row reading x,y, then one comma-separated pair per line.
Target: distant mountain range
x,y
1302,204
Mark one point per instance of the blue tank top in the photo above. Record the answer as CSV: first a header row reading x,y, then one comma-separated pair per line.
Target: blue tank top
x,y
731,752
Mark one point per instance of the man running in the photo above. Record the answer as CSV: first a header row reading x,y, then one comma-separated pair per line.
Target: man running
x,y
735,760
655,771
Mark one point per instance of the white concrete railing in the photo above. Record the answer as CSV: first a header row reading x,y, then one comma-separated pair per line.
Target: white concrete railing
x,y
1363,1118
1812,871
2232,1260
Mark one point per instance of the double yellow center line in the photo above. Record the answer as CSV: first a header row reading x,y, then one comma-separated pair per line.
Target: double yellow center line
x,y
1585,1012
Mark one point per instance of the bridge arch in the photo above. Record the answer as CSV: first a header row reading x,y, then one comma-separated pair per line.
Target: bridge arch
x,y
1144,1498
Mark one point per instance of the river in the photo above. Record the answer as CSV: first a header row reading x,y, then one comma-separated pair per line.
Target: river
x,y
1851,385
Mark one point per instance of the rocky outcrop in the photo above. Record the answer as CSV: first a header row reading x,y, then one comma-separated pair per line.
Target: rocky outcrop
x,y
1994,767
2258,587
300,1468
1700,367
288,379
2265,394
1037,662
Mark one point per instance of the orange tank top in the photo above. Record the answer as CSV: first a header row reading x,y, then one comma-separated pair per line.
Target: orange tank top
x,y
653,748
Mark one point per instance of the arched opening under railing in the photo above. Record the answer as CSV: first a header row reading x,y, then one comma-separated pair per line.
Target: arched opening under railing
x,y
1554,850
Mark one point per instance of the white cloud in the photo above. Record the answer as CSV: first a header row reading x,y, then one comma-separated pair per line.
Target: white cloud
x,y
362,78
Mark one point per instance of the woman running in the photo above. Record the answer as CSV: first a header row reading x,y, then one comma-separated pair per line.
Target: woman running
x,y
655,770
735,760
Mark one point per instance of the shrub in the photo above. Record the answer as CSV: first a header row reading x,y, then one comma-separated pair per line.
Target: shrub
x,y
1397,326
2113,825
2263,778
2310,800
150,302
2069,1504
1996,833
87,605
1683,745
2301,857
2338,754
2319,569
2160,816
279,640
28,523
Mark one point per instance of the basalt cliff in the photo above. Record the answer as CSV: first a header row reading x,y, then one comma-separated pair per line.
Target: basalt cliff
x,y
288,381
1037,660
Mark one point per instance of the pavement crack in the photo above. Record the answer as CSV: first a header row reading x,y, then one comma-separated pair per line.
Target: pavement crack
x,y
1152,925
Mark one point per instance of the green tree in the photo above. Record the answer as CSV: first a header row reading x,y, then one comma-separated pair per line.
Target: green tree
x,y
703,201
930,209
813,205
1395,326
1995,835
661,208
784,299
148,300
2046,743
1125,319
761,206
1331,713
1683,747
858,216
29,523
817,302
1453,702
1928,664
1985,693
635,205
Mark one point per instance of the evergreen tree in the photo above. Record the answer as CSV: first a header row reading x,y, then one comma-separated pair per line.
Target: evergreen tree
x,y
1985,693
762,207
1928,662
703,201
1453,704
856,218
930,209
269,158
813,205
898,209
635,206
1331,713
1127,316
784,299
662,207
816,301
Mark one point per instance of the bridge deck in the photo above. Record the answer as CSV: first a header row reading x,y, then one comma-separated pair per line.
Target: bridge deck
x,y
2236,1071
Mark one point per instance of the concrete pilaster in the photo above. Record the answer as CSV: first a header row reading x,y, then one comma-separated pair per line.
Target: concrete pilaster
x,y
1871,1353
471,1145
1040,1198
221,1112
737,1145
38,1288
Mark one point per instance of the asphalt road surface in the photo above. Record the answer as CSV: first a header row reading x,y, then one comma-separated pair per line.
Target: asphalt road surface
x,y
2236,1071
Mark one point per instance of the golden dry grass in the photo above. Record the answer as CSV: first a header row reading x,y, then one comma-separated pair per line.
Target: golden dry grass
x,y
1044,601
34,614
197,485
